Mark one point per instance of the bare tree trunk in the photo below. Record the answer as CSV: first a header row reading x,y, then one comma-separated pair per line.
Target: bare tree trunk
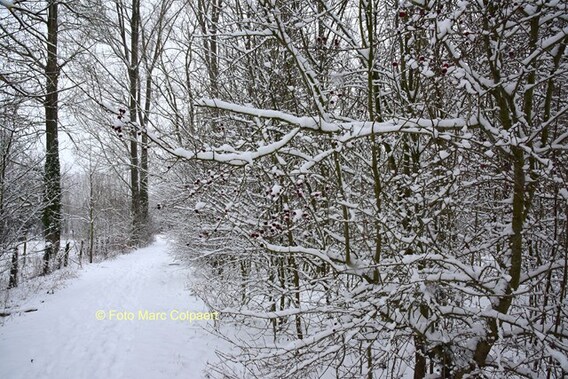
x,y
52,175
151,62
91,217
144,202
24,252
3,165
208,21
133,76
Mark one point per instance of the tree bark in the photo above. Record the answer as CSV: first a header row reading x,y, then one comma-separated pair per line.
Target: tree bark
x,y
144,201
133,76
52,174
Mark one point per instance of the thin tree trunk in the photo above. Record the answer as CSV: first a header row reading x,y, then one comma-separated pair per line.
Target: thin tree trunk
x,y
91,218
144,201
133,76
24,252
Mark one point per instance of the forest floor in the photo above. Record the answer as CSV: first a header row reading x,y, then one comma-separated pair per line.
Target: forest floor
x,y
117,319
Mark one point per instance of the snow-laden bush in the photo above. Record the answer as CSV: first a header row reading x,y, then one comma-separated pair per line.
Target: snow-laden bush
x,y
381,189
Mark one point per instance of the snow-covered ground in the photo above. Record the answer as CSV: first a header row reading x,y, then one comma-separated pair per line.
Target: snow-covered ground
x,y
64,338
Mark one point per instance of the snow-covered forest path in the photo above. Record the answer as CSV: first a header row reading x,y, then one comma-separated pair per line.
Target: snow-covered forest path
x,y
64,338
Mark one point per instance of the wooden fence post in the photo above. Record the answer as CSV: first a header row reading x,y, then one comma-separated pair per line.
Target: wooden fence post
x,y
66,254
14,270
